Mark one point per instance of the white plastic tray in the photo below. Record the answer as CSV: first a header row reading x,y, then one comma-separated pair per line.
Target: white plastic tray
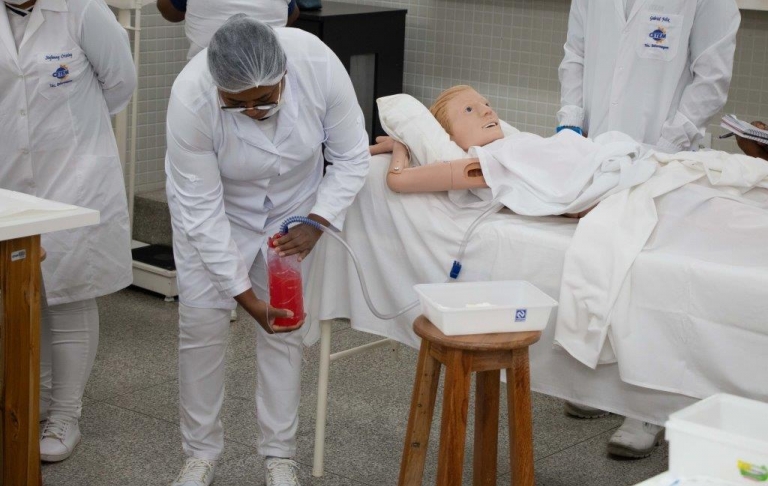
x,y
724,437
485,307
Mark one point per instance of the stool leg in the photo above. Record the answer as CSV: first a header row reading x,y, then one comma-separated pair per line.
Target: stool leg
x,y
420,418
453,428
520,421
486,428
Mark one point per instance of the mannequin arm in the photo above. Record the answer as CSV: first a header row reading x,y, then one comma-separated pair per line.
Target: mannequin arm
x,y
438,176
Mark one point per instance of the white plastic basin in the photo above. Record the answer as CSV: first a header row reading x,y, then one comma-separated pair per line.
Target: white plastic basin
x,y
485,307
723,437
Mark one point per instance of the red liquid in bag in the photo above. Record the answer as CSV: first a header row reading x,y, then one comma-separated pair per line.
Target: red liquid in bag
x,y
285,290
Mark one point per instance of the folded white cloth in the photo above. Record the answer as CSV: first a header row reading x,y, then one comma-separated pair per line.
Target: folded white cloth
x,y
565,173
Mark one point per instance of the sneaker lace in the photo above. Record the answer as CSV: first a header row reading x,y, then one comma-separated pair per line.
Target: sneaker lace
x,y
195,470
55,429
282,471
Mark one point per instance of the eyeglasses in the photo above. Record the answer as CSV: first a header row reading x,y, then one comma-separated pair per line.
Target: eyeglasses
x,y
261,107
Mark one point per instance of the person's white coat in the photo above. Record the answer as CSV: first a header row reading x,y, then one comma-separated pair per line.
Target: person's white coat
x,y
658,74
72,69
204,17
229,186
227,181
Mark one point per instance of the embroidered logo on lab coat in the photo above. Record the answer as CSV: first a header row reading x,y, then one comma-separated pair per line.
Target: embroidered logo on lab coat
x,y
62,75
658,35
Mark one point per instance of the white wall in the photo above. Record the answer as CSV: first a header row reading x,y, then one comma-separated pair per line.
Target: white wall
x,y
508,50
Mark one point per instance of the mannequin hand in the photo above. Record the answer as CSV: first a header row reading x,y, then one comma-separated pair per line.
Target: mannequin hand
x,y
384,145
300,239
264,313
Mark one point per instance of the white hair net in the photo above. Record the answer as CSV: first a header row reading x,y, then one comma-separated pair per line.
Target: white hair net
x,y
245,53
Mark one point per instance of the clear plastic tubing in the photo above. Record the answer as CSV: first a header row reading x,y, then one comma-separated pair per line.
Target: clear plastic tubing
x,y
493,208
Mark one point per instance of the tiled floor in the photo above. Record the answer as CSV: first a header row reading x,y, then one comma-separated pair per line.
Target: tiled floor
x,y
130,414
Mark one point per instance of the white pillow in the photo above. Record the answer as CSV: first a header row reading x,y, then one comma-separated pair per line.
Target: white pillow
x,y
409,122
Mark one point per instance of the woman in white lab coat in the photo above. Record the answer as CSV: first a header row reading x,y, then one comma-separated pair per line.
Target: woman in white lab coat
x,y
247,122
657,71
65,66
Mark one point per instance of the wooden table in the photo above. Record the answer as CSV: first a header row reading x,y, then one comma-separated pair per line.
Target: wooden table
x,y
20,326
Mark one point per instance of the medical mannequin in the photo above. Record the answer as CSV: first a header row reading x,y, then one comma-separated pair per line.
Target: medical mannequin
x,y
251,120
753,148
657,71
471,122
65,66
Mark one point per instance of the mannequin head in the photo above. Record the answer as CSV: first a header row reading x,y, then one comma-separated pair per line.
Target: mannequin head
x,y
467,117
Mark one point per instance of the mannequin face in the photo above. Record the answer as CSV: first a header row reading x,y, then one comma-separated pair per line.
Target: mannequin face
x,y
472,120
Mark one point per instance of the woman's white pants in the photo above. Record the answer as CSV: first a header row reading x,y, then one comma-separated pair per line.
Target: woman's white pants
x,y
203,337
69,337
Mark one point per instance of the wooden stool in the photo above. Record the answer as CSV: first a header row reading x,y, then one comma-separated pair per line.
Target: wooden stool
x,y
486,354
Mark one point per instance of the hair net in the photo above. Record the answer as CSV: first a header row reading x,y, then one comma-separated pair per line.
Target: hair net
x,y
245,53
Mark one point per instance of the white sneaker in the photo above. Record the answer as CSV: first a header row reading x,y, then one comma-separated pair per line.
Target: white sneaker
x,y
635,439
58,439
196,472
281,472
577,410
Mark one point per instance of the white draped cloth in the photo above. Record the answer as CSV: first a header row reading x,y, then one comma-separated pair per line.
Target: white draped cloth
x,y
684,316
709,209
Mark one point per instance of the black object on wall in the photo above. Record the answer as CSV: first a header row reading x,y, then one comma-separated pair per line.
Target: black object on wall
x,y
351,30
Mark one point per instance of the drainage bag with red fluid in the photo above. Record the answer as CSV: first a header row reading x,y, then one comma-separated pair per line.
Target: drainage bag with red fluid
x,y
285,290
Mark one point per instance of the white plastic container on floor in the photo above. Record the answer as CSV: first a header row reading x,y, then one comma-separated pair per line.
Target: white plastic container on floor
x,y
724,437
485,307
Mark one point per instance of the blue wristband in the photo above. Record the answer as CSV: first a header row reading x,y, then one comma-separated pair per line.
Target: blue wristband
x,y
575,129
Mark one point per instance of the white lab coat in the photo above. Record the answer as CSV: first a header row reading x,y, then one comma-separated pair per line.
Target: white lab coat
x,y
227,182
204,17
658,76
72,69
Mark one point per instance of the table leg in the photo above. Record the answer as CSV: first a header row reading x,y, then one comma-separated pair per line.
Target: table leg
x,y
420,418
486,428
20,336
520,420
321,414
453,427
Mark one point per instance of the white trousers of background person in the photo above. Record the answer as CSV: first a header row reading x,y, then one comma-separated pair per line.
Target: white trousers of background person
x,y
203,337
69,338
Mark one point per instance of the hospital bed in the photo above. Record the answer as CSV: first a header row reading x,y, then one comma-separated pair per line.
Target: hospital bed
x,y
695,323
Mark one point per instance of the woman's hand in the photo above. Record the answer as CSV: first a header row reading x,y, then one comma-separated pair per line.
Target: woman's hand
x,y
384,145
264,313
301,238
751,147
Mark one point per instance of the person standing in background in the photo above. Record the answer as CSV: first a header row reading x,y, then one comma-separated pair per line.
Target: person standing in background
x,y
65,67
657,71
203,17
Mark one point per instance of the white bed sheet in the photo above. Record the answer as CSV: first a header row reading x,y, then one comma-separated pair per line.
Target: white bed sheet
x,y
402,240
